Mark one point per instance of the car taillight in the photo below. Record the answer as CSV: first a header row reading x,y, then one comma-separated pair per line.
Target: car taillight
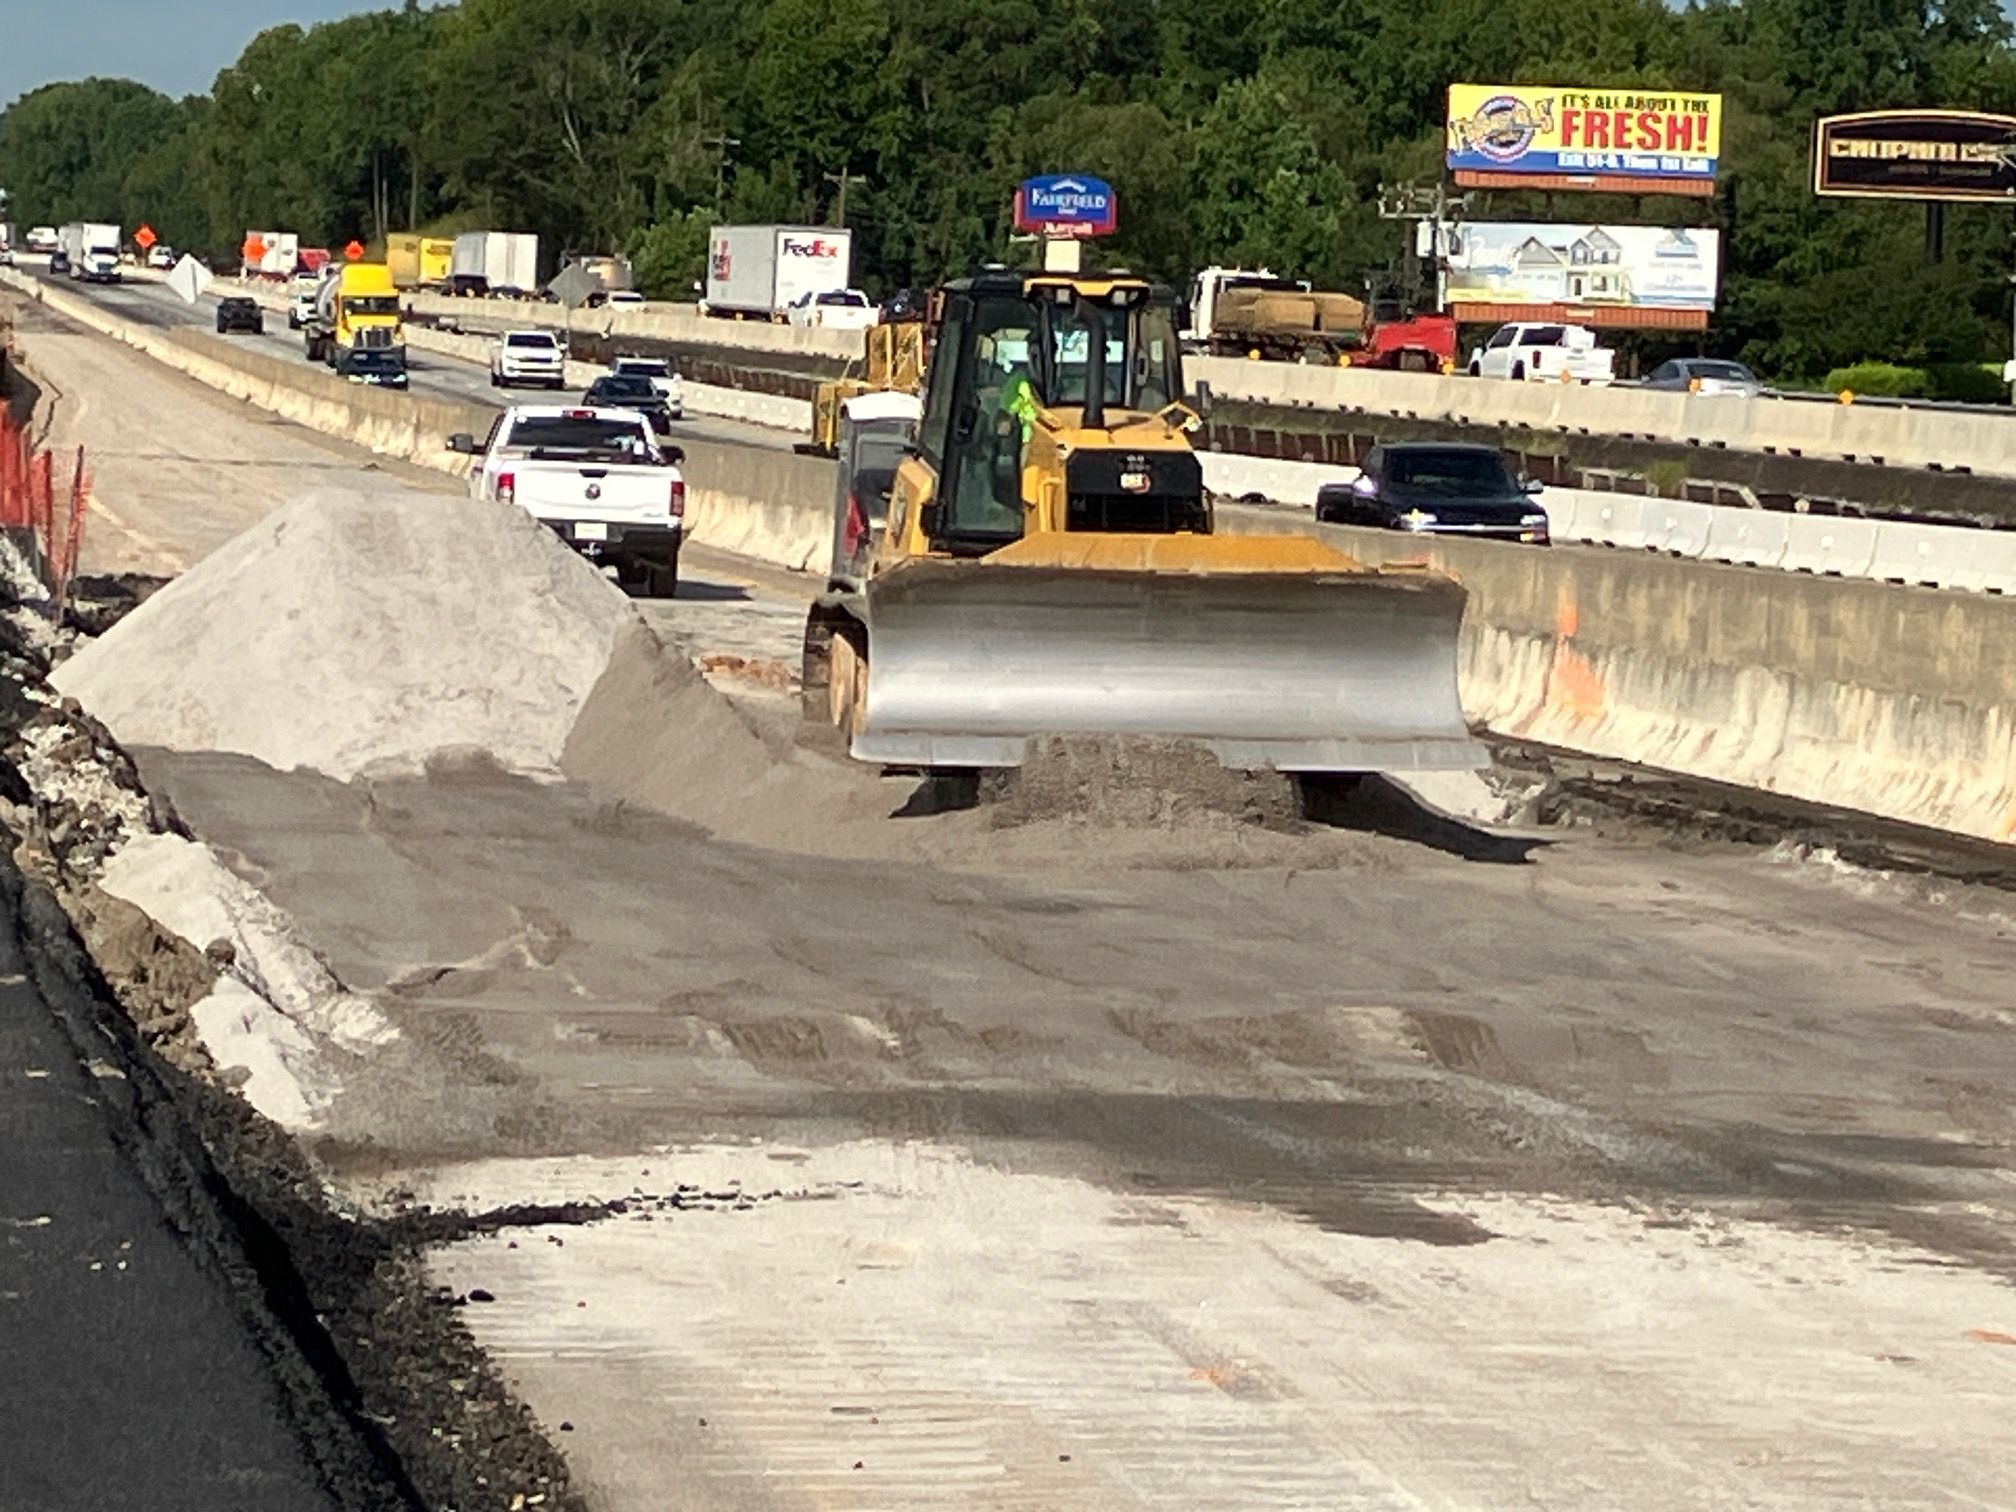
x,y
507,487
856,531
677,503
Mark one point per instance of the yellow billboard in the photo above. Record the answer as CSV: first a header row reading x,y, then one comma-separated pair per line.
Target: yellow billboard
x,y
1545,129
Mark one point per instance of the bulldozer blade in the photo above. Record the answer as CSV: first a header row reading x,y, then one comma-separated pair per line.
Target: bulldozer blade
x,y
1308,670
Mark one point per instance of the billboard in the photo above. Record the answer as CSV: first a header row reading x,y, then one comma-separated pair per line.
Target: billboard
x,y
1916,154
1066,204
1618,276
1544,136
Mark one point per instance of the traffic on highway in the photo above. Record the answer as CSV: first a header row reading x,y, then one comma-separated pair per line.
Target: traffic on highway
x,y
1215,833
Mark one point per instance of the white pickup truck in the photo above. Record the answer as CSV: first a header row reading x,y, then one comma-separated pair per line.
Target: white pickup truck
x,y
1533,351
597,476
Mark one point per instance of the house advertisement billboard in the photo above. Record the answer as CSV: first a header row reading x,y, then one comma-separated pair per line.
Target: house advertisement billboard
x,y
1638,275
1648,141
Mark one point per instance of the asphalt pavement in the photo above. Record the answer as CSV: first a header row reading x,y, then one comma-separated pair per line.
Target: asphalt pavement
x,y
152,303
130,1375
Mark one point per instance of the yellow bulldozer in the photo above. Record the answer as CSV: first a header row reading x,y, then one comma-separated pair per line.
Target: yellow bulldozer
x,y
1049,566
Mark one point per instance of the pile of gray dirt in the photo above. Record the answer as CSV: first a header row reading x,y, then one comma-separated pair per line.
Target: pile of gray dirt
x,y
1112,782
358,631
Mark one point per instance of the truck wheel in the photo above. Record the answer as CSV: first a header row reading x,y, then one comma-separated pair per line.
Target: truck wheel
x,y
661,579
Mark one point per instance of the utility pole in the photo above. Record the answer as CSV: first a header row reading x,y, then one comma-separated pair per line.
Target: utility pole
x,y
1432,207
843,178
722,146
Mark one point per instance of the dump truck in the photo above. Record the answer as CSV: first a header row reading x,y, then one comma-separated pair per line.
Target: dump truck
x,y
892,362
1235,312
356,327
420,262
1051,565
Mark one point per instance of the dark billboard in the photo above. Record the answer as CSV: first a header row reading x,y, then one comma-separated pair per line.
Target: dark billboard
x,y
1916,154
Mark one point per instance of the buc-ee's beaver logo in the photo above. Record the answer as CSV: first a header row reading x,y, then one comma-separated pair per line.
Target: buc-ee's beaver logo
x,y
1504,126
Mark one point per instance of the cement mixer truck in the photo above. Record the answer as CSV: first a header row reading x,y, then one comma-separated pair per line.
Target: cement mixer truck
x,y
356,327
1239,312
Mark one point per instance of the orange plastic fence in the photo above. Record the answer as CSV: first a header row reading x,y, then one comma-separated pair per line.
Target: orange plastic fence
x,y
47,515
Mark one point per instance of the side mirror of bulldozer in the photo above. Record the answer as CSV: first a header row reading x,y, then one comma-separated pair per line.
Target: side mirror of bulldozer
x,y
462,442
1201,400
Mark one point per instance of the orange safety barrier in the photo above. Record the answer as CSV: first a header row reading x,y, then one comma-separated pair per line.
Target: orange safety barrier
x,y
51,535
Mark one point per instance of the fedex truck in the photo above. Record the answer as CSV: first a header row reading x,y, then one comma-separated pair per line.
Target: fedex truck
x,y
759,272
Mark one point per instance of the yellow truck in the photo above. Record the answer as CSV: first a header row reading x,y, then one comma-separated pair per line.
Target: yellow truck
x,y
357,327
419,262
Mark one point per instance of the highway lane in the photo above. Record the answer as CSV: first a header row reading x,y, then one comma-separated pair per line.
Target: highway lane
x,y
149,302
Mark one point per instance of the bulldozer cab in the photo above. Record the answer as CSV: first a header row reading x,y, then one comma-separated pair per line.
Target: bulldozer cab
x,y
1029,378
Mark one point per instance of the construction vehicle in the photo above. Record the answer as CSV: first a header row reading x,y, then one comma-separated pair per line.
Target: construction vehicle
x,y
1235,312
1050,567
893,362
356,327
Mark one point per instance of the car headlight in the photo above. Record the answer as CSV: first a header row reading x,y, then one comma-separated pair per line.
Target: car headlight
x,y
1535,518
1416,519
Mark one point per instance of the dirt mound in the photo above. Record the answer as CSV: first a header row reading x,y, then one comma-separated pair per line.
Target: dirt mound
x,y
1131,783
362,630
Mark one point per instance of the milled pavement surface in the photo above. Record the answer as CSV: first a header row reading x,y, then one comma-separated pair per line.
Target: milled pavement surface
x,y
1104,1146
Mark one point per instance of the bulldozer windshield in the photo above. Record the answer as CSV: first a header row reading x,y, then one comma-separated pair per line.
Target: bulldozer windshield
x,y
1141,367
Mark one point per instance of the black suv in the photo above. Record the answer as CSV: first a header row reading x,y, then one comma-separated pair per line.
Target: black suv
x,y
620,392
240,314
1428,488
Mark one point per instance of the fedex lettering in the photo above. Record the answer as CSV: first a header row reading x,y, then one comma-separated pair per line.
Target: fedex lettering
x,y
818,246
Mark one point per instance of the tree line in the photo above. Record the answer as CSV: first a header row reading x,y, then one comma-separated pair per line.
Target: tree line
x,y
1233,131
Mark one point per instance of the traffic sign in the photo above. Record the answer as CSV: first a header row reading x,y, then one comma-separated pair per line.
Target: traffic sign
x,y
353,250
1066,204
145,238
573,285
253,250
189,279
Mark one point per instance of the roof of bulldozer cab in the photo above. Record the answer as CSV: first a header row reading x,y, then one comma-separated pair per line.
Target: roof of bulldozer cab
x,y
1035,285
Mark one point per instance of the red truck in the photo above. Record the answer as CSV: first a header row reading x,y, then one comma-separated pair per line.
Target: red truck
x,y
1236,312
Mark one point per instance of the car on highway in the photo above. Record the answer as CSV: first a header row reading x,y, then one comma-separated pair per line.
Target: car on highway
x,y
1704,375
59,262
6,257
43,239
602,298
615,391
528,357
237,313
301,295
1538,351
1436,488
597,477
834,309
161,255
659,371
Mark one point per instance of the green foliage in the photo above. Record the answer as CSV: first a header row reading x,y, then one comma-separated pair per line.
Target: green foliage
x,y
1878,380
1966,382
1235,131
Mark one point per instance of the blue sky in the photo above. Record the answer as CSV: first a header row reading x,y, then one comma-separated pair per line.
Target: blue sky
x,y
175,45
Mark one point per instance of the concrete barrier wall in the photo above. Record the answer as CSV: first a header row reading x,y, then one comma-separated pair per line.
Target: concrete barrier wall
x,y
1982,441
1891,700
1857,694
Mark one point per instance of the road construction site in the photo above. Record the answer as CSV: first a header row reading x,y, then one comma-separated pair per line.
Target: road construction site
x,y
1146,1134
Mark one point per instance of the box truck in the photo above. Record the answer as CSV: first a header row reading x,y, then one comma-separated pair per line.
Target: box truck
x,y
420,262
487,262
758,272
93,250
